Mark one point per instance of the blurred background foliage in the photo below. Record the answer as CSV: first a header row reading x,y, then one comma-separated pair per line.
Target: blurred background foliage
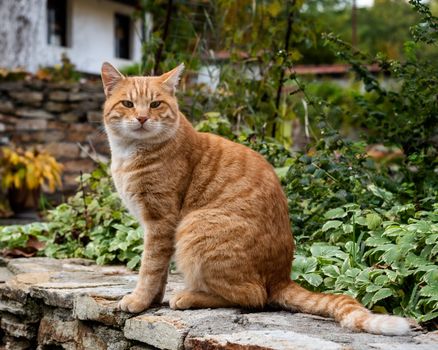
x,y
357,157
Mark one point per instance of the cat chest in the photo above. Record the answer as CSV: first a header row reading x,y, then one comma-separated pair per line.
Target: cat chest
x,y
129,197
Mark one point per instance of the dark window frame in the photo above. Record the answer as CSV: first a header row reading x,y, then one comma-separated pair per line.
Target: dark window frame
x,y
123,29
57,12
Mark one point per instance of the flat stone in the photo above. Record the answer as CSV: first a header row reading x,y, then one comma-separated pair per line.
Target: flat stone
x,y
71,117
30,310
58,95
78,96
12,343
401,346
5,274
60,328
84,165
63,149
94,117
16,328
262,339
6,107
56,107
31,97
34,113
167,329
77,303
99,309
32,124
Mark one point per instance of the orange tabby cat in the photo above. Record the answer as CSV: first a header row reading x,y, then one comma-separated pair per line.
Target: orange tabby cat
x,y
217,205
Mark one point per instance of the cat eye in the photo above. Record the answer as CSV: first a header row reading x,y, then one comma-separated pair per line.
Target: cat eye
x,y
155,104
127,104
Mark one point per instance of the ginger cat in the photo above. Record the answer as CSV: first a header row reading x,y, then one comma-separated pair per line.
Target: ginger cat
x,y
217,205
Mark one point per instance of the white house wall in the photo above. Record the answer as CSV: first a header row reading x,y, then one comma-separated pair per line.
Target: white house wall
x,y
90,36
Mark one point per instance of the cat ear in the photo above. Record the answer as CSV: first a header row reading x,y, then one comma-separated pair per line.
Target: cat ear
x,y
171,78
110,77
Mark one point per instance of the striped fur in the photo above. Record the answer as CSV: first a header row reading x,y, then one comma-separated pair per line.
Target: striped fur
x,y
215,205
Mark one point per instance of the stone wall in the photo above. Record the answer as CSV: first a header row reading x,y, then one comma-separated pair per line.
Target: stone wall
x,y
63,118
72,304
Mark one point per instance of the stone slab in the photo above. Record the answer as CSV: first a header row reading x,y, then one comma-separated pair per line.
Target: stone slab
x,y
262,339
15,327
5,274
78,303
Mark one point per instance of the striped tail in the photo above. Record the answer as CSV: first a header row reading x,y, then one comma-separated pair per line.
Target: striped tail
x,y
344,309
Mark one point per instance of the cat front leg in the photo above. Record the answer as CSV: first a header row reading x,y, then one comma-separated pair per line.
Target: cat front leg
x,y
158,249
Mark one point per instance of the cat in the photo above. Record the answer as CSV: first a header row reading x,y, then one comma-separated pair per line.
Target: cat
x,y
216,205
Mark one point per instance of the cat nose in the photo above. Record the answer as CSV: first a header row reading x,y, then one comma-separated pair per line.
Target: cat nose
x,y
142,120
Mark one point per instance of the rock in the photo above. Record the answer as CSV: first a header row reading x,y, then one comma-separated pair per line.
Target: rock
x,y
27,97
63,149
167,329
51,136
56,107
75,303
78,96
84,165
399,346
261,339
34,113
71,117
12,343
6,107
60,328
32,124
94,117
30,310
15,327
5,274
99,309
154,330
59,95
11,85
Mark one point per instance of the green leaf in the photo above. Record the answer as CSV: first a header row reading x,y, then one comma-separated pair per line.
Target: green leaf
x,y
332,271
381,294
333,224
335,213
373,221
313,279
376,241
429,291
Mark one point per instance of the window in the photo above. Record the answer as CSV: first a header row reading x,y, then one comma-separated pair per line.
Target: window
x,y
57,22
123,36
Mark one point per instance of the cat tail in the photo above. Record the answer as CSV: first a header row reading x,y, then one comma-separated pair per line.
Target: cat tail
x,y
343,308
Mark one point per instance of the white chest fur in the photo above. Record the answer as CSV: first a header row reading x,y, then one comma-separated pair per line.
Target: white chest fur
x,y
123,182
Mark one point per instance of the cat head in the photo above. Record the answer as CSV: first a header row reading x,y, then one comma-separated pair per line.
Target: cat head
x,y
141,109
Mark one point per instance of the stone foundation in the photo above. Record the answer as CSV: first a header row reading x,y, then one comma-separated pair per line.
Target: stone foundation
x,y
71,304
63,118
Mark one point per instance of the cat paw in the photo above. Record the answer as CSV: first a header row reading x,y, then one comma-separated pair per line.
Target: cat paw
x,y
133,303
180,301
